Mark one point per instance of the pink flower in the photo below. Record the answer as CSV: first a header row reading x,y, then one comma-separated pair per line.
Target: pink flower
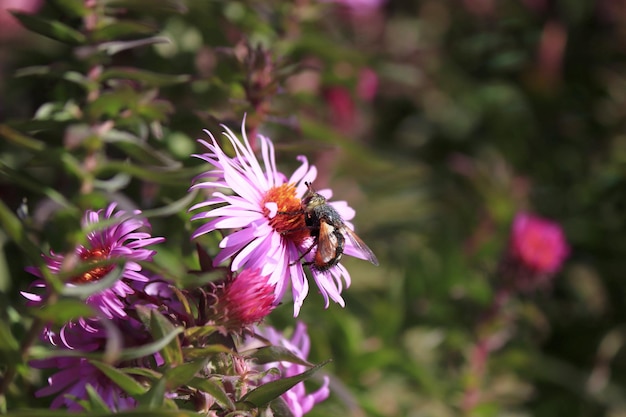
x,y
537,243
244,300
258,208
537,249
122,240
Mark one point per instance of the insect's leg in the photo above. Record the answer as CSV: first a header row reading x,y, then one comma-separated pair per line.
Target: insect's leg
x,y
303,255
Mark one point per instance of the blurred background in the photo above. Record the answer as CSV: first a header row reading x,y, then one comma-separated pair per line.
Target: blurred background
x,y
439,121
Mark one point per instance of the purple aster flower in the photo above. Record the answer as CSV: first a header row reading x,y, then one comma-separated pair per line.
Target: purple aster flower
x,y
70,383
249,198
122,240
297,399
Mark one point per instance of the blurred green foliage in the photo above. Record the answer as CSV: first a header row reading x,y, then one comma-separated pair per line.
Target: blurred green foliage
x,y
479,110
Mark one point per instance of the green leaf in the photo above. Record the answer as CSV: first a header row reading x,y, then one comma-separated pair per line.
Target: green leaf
x,y
150,348
268,354
20,139
160,327
196,332
184,373
215,389
125,382
148,78
280,408
204,352
95,400
50,28
265,393
131,413
114,47
120,29
155,396
149,6
63,311
74,8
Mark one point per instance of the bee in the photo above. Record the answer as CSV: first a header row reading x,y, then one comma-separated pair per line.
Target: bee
x,y
329,232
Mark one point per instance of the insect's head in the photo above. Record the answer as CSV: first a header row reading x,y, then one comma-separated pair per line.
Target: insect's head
x,y
312,199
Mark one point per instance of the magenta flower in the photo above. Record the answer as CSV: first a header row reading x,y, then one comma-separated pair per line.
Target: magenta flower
x,y
261,236
538,243
243,300
122,240
297,399
537,250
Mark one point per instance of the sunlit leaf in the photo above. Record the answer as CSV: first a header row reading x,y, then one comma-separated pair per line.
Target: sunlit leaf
x,y
267,392
114,47
204,352
50,28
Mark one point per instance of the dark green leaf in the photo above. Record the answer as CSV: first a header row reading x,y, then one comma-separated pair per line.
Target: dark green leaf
x,y
204,352
215,389
76,8
50,28
280,408
268,354
182,374
150,6
196,332
154,397
132,413
265,393
21,140
160,327
150,348
148,78
125,382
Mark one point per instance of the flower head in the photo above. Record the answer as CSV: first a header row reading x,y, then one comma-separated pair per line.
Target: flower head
x,y
243,300
537,249
121,240
261,207
299,401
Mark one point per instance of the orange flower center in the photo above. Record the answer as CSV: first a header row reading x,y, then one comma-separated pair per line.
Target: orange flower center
x,y
289,221
97,273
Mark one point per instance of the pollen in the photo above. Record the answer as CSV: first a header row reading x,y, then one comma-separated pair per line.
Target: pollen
x,y
97,273
289,221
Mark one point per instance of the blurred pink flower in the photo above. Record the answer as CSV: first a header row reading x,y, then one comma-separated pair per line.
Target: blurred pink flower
x,y
341,108
537,250
367,86
538,244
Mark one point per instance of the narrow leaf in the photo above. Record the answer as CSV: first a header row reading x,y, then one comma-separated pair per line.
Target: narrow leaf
x,y
125,382
149,78
159,327
215,389
265,393
182,374
268,354
64,310
50,28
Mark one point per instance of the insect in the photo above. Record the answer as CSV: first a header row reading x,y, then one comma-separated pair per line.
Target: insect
x,y
329,232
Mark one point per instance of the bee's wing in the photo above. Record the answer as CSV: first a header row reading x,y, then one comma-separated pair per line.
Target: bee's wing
x,y
326,243
360,245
